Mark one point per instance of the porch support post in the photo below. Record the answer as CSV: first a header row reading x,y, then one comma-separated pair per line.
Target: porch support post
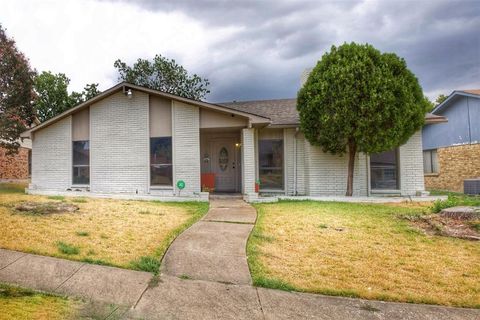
x,y
248,164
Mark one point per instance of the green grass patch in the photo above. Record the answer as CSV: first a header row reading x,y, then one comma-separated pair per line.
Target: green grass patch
x,y
146,263
98,261
20,303
12,188
273,283
61,198
67,249
82,233
80,200
455,200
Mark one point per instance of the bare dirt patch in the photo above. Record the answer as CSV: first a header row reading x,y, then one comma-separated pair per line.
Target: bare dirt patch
x,y
42,208
458,222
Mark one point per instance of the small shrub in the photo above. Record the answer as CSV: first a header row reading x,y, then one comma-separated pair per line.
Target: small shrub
x,y
439,205
56,198
146,263
455,200
185,277
322,226
66,248
82,233
144,212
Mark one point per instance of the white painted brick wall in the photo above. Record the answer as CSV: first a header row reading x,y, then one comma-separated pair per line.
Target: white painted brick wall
x,y
119,144
289,157
301,181
52,156
248,161
186,143
327,174
411,165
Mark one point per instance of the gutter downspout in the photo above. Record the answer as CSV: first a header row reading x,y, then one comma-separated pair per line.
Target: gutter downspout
x,y
295,161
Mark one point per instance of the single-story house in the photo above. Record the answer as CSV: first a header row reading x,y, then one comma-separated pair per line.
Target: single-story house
x,y
134,140
451,150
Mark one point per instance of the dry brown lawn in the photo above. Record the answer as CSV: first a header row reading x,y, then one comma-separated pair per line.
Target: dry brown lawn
x,y
361,250
16,303
104,231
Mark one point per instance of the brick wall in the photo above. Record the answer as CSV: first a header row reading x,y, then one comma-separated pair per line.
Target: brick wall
x,y
52,156
14,167
248,161
119,144
411,166
327,173
186,146
456,163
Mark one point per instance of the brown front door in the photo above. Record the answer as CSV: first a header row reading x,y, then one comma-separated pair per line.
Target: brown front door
x,y
224,164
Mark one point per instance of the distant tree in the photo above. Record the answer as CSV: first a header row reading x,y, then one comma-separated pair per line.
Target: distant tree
x,y
53,97
440,99
16,93
89,91
357,99
165,75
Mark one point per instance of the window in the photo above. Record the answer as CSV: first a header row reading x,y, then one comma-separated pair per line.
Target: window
x,y
384,170
29,162
430,161
81,162
161,161
271,164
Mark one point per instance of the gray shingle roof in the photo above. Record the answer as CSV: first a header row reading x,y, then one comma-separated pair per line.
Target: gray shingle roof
x,y
284,111
280,111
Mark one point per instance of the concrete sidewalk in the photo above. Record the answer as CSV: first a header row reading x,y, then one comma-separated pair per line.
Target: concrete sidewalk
x,y
214,249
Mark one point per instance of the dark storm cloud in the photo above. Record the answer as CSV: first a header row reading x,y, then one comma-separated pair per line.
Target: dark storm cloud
x,y
276,40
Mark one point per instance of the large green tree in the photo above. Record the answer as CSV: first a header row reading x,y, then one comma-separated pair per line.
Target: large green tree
x,y
358,99
165,75
53,97
16,93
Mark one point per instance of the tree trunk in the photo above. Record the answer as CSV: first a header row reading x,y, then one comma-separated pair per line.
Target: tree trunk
x,y
352,150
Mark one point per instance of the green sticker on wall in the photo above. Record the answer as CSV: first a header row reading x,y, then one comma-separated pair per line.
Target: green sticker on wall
x,y
180,184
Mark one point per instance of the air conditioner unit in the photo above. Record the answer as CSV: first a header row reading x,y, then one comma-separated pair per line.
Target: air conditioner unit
x,y
471,186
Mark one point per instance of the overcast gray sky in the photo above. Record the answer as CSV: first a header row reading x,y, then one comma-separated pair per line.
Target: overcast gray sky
x,y
247,49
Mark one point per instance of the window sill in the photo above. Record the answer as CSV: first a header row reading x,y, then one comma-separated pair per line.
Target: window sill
x,y
271,190
431,174
386,191
161,187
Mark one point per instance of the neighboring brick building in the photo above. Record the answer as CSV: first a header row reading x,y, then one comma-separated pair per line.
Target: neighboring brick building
x,y
456,164
452,150
15,167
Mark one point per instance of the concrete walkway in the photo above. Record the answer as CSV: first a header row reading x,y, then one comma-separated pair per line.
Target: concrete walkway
x,y
204,276
214,249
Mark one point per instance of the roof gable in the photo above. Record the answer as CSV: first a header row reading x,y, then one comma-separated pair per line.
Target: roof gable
x,y
253,118
451,98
